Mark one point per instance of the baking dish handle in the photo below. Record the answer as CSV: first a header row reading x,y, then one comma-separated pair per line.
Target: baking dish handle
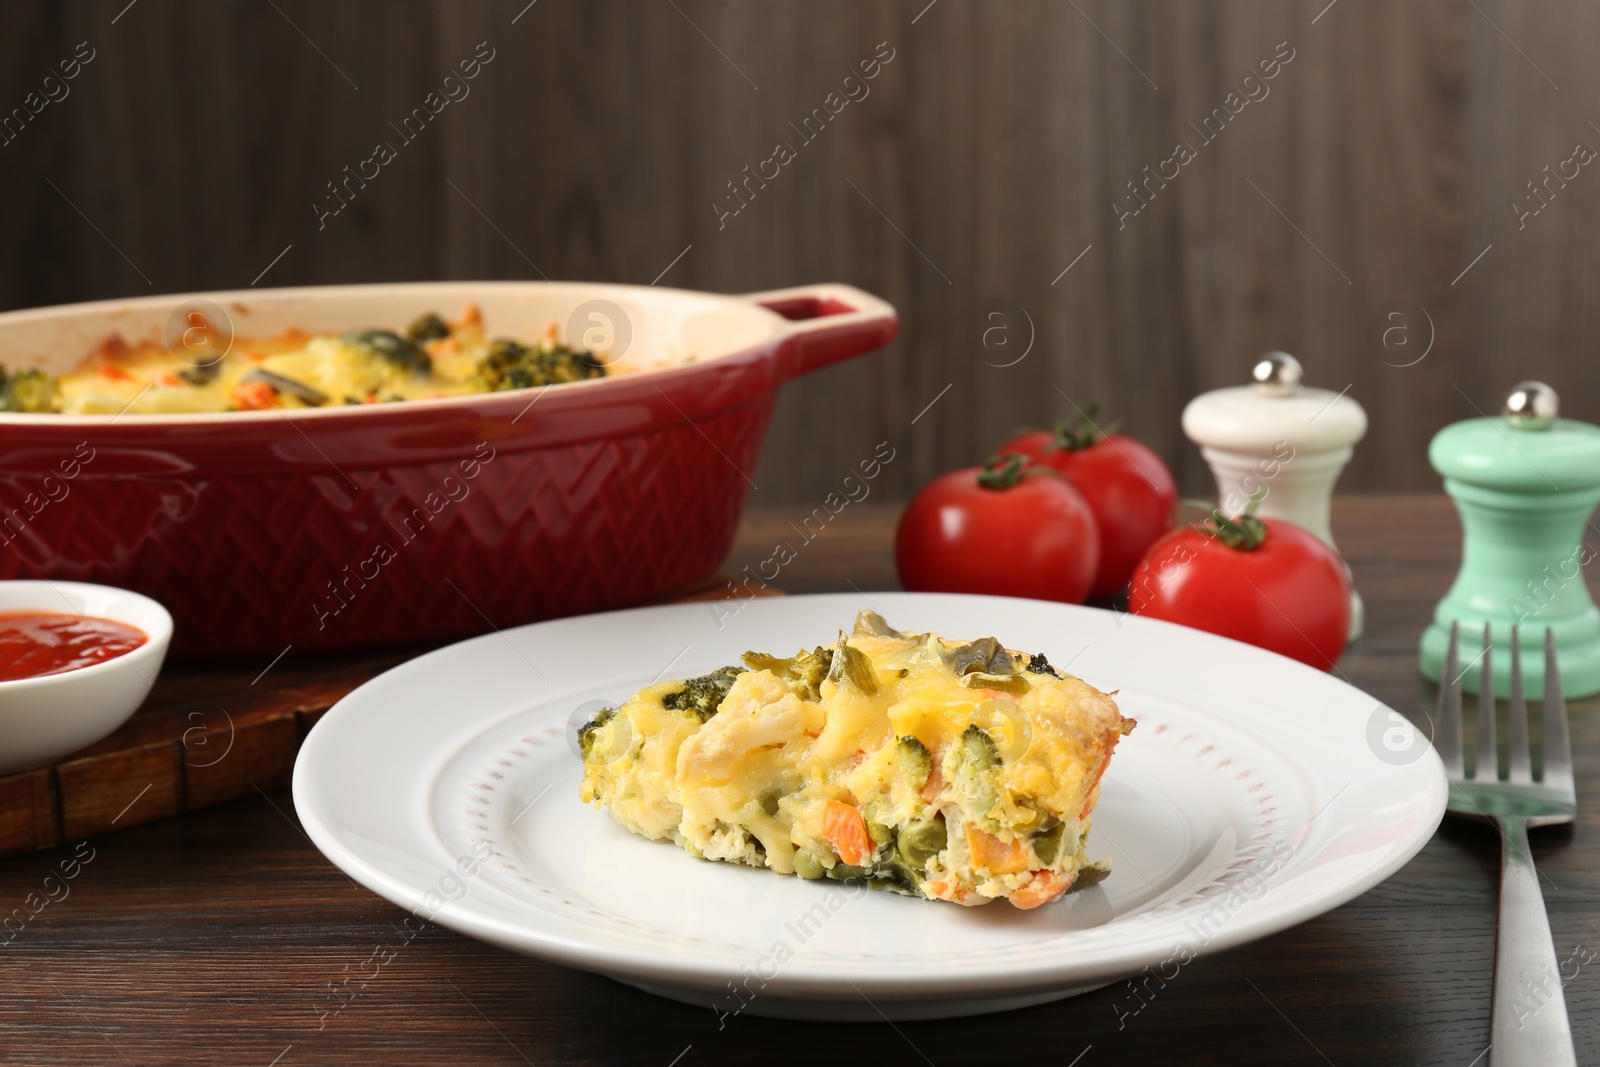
x,y
827,323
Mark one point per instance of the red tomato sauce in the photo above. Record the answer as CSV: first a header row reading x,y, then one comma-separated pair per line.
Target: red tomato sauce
x,y
36,643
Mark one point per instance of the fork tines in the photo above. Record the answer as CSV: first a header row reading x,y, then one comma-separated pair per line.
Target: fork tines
x,y
1556,764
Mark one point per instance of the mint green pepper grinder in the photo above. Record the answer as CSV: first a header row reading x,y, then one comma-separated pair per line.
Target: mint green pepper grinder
x,y
1525,483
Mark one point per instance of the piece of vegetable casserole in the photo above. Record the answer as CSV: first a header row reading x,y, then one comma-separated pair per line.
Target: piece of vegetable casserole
x,y
960,772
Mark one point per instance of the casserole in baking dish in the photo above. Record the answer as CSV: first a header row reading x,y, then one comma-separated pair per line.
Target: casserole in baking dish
x,y
342,526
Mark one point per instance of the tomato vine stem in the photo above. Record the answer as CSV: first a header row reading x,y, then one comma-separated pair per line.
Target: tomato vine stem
x,y
1080,432
1006,469
1245,532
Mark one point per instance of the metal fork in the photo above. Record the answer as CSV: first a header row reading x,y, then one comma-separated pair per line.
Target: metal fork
x,y
1529,1027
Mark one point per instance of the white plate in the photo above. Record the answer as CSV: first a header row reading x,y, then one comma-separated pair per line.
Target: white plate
x,y
1255,794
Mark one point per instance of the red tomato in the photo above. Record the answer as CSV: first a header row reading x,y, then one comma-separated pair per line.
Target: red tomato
x,y
1030,536
1128,488
1289,594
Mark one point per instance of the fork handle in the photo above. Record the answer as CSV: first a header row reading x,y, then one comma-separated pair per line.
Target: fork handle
x,y
1530,1027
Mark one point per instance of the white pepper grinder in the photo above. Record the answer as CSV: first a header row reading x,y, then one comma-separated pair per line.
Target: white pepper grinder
x,y
1278,435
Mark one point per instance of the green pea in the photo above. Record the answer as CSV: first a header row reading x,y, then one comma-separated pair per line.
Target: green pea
x,y
806,865
921,841
878,832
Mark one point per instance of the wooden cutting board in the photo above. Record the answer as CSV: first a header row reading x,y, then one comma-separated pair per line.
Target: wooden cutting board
x,y
212,731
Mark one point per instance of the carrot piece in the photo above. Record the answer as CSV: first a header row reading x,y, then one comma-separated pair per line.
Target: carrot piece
x,y
1042,888
115,373
942,890
1001,857
932,787
254,396
170,379
846,831
1099,770
112,347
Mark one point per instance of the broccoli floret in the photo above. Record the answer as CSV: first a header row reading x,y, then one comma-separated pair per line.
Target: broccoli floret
x,y
391,348
702,696
429,327
978,748
977,768
587,731
565,365
512,365
914,761
811,668
1039,665
29,390
805,670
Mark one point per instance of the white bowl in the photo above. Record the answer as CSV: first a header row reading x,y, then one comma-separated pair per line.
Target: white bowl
x,y
45,718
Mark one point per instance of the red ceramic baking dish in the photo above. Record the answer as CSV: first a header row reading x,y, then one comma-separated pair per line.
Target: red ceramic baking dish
x,y
341,527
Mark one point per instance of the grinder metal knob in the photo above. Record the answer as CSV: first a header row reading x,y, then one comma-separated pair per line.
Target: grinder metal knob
x,y
1532,406
1277,374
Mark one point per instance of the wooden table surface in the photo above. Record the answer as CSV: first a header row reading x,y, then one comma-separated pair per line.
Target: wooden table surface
x,y
220,937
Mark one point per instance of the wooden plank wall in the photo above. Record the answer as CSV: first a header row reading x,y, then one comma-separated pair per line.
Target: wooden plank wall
x,y
985,158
